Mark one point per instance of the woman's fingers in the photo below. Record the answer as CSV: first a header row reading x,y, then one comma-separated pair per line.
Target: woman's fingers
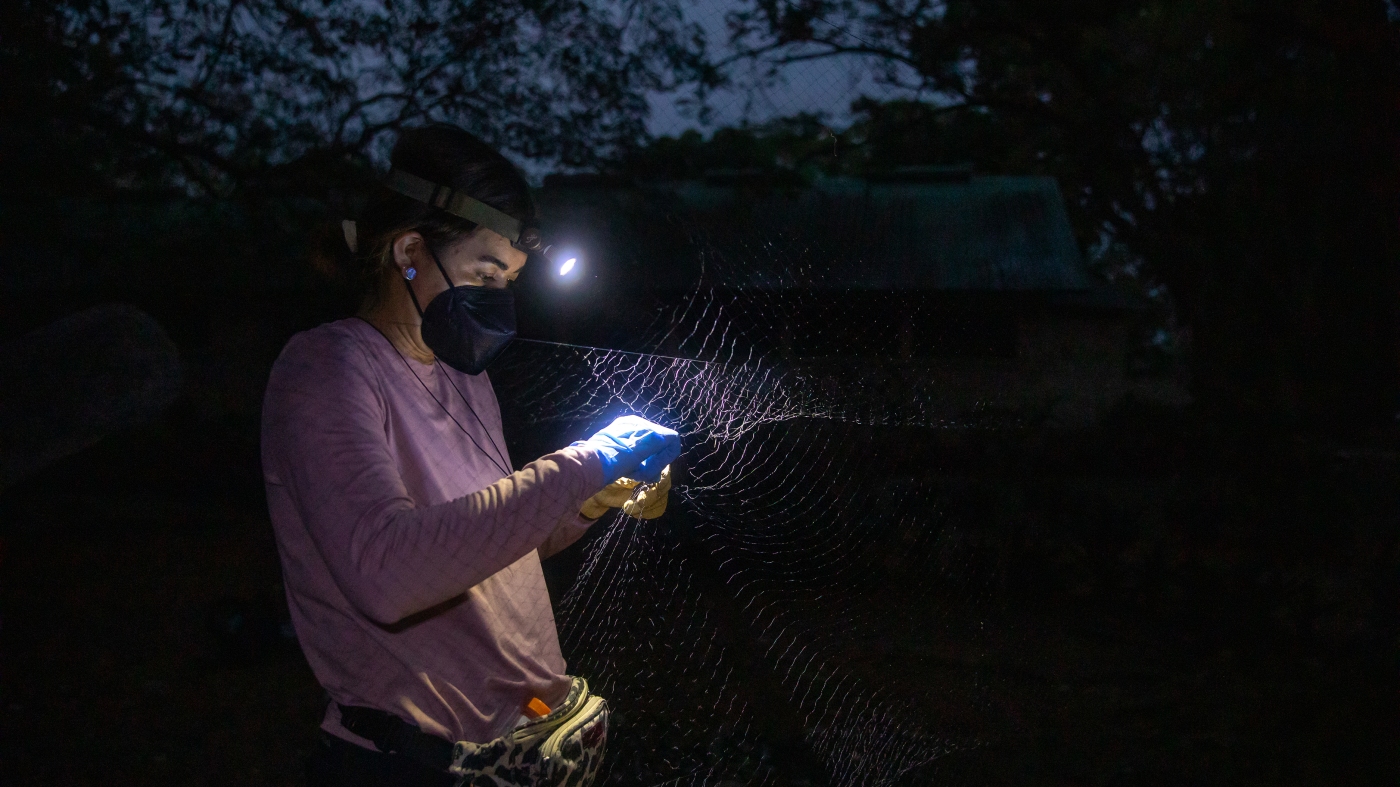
x,y
613,495
650,503
660,450
633,446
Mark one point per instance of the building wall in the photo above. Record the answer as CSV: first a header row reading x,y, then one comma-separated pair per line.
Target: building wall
x,y
1067,372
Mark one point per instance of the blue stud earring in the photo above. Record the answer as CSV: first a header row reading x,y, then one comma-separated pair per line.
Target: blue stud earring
x,y
409,273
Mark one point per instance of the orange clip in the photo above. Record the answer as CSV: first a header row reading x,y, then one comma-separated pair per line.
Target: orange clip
x,y
536,709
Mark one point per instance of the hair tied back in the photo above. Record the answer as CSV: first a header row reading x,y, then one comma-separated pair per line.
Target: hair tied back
x,y
347,227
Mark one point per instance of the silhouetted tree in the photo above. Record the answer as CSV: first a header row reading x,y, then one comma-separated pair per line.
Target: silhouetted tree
x,y
136,132
1244,153
206,95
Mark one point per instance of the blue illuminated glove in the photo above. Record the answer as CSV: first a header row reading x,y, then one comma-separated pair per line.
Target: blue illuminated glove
x,y
634,447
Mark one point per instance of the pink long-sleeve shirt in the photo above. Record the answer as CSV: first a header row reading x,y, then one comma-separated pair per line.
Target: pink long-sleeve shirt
x,y
411,561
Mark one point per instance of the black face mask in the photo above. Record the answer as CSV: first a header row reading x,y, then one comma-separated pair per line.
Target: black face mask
x,y
467,327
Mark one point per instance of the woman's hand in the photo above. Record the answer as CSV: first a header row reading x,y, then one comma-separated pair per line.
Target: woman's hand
x,y
634,447
649,503
612,496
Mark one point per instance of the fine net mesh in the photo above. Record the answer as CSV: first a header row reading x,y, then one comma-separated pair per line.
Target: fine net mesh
x,y
806,611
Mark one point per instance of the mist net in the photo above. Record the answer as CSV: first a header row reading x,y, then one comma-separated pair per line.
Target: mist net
x,y
805,612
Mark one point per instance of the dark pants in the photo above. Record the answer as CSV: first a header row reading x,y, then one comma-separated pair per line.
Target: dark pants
x,y
340,763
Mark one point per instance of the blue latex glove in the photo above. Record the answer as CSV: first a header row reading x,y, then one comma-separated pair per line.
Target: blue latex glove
x,y
634,447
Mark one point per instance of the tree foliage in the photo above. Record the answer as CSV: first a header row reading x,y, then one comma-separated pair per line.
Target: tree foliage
x,y
188,144
205,97
1244,153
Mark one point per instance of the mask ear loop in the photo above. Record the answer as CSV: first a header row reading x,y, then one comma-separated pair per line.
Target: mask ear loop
x,y
414,296
441,269
416,307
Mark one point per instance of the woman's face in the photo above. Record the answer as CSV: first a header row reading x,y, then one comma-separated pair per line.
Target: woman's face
x,y
482,259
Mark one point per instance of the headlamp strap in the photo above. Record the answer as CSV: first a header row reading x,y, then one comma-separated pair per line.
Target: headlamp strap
x,y
454,202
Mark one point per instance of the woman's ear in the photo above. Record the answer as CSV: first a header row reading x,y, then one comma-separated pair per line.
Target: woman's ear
x,y
407,247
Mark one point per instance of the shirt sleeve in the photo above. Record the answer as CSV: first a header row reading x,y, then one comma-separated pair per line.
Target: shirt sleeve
x,y
325,440
564,536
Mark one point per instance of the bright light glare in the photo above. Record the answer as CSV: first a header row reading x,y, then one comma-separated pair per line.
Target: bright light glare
x,y
567,266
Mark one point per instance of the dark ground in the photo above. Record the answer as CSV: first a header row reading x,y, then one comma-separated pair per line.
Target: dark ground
x,y
1168,622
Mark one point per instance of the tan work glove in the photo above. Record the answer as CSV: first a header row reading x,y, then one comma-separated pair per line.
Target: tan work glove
x,y
649,503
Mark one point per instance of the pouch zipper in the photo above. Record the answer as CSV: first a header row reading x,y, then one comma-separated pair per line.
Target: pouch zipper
x,y
588,709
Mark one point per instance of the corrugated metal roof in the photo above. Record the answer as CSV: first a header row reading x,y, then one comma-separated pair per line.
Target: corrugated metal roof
x,y
995,233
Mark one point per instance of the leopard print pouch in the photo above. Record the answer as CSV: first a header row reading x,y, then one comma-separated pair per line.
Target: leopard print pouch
x,y
563,749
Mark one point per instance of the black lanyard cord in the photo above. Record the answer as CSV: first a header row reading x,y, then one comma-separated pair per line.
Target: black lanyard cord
x,y
499,451
472,410
504,472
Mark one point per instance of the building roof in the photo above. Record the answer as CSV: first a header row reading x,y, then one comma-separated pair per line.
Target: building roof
x,y
985,234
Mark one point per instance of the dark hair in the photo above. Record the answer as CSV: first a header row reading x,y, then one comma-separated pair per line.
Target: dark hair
x,y
441,153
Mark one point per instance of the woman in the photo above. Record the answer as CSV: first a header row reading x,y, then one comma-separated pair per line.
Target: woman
x,y
411,552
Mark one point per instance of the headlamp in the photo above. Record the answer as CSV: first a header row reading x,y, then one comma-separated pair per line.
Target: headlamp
x,y
525,238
